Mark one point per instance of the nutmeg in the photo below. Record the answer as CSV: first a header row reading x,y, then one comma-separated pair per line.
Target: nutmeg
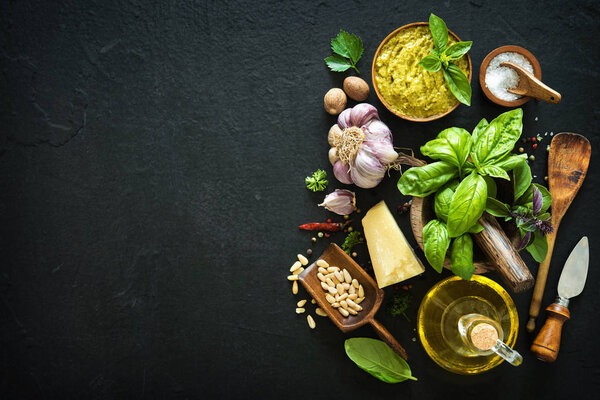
x,y
356,88
335,101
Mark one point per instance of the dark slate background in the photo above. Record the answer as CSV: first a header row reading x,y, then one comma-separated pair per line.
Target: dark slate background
x,y
152,165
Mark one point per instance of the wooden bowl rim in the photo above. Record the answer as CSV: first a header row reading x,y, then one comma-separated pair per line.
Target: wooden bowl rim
x,y
385,103
537,72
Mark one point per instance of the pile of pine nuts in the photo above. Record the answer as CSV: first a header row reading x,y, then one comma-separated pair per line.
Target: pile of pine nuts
x,y
296,269
343,292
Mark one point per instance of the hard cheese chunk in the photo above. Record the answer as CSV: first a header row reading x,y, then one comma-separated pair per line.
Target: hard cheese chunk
x,y
392,258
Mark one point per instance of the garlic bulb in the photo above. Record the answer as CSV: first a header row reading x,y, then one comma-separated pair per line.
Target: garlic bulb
x,y
364,146
341,201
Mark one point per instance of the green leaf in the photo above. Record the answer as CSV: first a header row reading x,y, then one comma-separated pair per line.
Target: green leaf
x,y
423,181
458,84
317,181
491,186
443,198
351,240
431,63
337,63
526,198
538,247
378,359
452,146
476,228
468,204
496,172
461,256
457,50
499,137
510,162
521,179
435,243
479,129
497,208
347,45
439,32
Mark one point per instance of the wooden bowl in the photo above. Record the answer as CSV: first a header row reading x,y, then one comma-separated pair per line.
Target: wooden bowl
x,y
421,212
385,103
537,72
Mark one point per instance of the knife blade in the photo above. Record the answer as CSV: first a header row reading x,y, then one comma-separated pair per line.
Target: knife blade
x,y
572,280
573,276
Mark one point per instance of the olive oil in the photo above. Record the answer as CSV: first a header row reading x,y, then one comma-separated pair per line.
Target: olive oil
x,y
440,316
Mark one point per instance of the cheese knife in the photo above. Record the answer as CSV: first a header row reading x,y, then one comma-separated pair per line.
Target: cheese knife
x,y
572,280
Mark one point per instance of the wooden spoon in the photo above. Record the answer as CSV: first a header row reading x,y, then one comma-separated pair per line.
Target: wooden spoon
x,y
336,257
567,166
531,86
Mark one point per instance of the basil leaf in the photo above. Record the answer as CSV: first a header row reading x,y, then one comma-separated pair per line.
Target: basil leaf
x,y
496,172
378,359
476,228
337,63
526,198
499,137
459,141
468,204
538,247
443,198
347,45
422,181
439,32
431,63
435,243
492,189
497,208
458,84
461,256
510,162
546,197
521,179
457,50
480,128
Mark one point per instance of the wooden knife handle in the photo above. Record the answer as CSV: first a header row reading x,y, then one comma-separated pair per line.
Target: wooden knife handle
x,y
387,337
547,343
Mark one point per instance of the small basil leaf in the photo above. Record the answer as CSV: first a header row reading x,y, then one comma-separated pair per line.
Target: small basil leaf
x,y
468,204
431,63
546,197
439,32
499,137
480,128
378,359
536,200
538,247
521,179
423,181
461,256
435,243
496,172
476,228
459,140
458,84
510,162
497,208
443,198
457,50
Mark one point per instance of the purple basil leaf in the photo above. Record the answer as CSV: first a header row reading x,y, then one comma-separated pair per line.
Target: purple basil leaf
x,y
537,200
524,241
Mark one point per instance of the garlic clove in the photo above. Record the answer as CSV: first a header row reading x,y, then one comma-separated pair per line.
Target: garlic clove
x,y
341,201
334,133
367,171
363,113
344,120
383,150
377,130
342,173
333,155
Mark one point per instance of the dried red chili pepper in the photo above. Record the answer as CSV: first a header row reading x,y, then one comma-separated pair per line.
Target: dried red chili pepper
x,y
324,226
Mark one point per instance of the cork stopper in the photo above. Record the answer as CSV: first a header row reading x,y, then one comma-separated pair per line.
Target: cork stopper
x,y
484,336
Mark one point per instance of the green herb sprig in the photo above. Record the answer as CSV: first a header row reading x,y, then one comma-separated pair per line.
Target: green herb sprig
x,y
400,303
317,182
441,57
348,49
351,240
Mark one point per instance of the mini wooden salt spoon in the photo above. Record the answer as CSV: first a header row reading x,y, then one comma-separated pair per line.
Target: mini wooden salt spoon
x,y
530,86
336,257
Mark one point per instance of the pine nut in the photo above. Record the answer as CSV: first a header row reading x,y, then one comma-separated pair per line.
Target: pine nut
x,y
303,260
295,266
335,305
335,280
343,311
352,290
347,276
361,291
295,287
301,303
355,283
359,300
298,271
322,263
332,269
320,312
329,275
352,311
354,305
342,297
329,282
353,296
332,290
329,298
339,276
346,286
300,310
292,277
311,322
340,288
324,286
321,277
323,271
344,304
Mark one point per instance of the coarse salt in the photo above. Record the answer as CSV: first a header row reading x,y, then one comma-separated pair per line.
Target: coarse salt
x,y
499,79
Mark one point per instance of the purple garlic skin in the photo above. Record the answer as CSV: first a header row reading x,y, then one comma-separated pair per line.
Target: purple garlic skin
x,y
341,201
369,160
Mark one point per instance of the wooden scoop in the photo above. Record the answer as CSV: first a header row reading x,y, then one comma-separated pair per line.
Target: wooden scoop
x,y
336,257
531,86
567,166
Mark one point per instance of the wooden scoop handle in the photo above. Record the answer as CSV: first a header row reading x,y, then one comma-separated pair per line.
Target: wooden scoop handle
x,y
540,283
509,264
532,86
387,337
547,343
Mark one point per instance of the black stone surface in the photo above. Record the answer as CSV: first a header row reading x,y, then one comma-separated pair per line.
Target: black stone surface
x,y
152,165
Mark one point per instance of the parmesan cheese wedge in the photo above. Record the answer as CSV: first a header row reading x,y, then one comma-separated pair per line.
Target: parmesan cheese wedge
x,y
392,257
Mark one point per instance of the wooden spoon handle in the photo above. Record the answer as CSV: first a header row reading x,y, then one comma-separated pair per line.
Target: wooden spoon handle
x,y
540,282
387,337
547,343
509,264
